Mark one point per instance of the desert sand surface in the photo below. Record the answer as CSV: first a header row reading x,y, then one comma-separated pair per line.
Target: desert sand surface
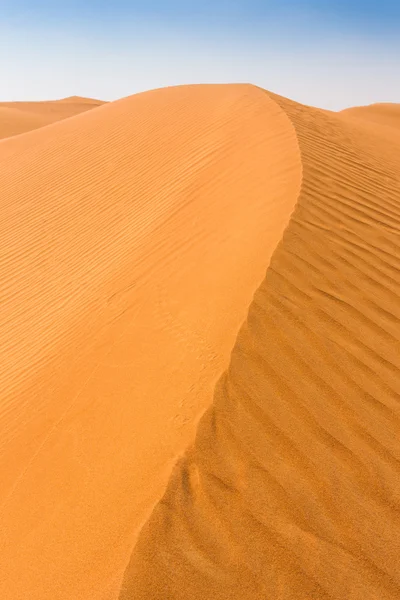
x,y
159,439
383,114
20,117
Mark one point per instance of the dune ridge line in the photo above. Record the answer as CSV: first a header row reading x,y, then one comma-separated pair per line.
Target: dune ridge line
x,y
126,231
291,488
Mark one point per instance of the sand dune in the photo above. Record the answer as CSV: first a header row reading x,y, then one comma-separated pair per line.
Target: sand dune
x,y
383,114
134,239
20,117
292,487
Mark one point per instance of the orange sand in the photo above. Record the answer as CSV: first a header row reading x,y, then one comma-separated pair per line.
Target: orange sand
x,y
383,114
134,237
19,117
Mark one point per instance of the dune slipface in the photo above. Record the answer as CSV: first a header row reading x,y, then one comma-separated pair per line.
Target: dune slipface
x,y
20,117
292,487
133,239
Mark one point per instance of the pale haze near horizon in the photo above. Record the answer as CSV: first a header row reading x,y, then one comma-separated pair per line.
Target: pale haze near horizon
x,y
331,71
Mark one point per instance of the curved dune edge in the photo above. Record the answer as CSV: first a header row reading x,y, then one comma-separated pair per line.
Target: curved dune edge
x,y
378,121
125,231
385,114
18,118
292,487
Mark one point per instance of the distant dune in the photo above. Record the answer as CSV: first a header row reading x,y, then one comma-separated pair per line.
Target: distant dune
x,y
132,437
383,114
20,117
80,100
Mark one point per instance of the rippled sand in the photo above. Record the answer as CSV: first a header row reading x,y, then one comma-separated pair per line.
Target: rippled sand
x,y
134,238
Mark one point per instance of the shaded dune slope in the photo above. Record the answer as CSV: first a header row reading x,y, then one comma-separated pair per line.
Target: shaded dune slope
x,y
20,117
133,239
292,487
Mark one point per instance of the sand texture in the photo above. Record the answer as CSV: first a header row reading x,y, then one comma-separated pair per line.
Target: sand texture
x,y
381,114
159,439
20,117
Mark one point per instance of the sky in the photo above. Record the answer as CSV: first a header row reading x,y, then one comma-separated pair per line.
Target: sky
x,y
327,53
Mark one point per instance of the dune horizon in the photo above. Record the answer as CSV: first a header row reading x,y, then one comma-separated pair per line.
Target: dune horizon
x,y
20,117
201,348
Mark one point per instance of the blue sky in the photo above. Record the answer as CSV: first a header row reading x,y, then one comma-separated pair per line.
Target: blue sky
x,y
367,14
322,52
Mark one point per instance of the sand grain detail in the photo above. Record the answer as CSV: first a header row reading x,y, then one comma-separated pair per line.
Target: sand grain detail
x,y
292,487
159,439
133,238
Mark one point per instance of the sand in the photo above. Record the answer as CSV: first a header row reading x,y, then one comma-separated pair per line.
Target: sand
x,y
20,117
135,237
386,114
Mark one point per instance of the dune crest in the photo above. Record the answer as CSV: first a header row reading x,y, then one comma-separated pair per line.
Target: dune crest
x,y
134,237
80,100
292,487
386,114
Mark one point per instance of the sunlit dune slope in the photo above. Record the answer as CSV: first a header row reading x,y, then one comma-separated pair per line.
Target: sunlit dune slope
x,y
19,117
383,114
133,239
292,487
80,100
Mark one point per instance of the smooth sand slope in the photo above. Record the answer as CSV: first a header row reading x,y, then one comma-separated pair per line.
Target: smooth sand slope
x,y
133,239
383,114
19,117
292,488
